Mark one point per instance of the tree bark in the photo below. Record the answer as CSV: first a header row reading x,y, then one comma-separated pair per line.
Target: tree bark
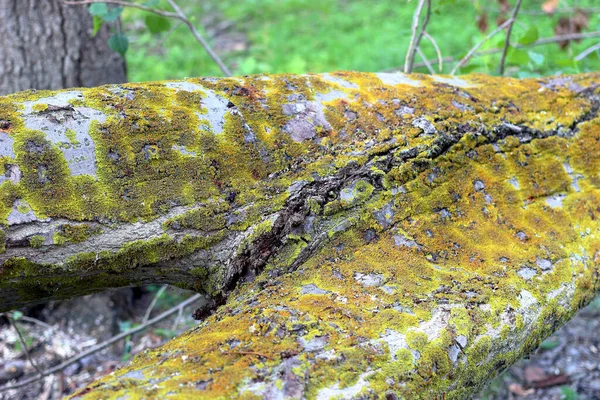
x,y
374,235
49,45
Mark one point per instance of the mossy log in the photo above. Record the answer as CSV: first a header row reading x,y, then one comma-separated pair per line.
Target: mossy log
x,y
359,235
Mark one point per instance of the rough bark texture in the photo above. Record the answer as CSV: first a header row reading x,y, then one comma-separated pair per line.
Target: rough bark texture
x,y
49,45
374,235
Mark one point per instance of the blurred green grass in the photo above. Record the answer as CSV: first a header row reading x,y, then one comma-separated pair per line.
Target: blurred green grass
x,y
297,36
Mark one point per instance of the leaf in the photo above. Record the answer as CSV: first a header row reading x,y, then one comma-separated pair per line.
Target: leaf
x,y
98,9
537,59
568,393
482,22
157,24
118,43
113,14
534,374
517,56
150,3
530,36
97,24
549,344
17,315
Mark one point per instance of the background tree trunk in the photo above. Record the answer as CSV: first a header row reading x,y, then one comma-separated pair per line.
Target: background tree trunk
x,y
49,45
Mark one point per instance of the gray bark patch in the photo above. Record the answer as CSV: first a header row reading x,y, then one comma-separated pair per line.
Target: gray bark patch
x,y
68,128
527,273
369,279
397,78
313,289
6,145
423,124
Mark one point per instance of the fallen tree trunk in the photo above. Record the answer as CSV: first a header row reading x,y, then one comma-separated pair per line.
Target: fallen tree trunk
x,y
363,234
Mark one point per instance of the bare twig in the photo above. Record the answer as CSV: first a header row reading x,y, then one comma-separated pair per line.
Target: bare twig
x,y
123,3
471,52
512,19
437,50
23,344
178,14
425,61
102,345
539,42
587,52
416,37
153,303
554,39
37,321
567,10
200,39
177,319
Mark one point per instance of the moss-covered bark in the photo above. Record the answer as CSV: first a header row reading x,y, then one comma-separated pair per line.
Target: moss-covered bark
x,y
363,234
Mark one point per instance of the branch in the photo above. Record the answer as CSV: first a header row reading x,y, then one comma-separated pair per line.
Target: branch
x,y
200,39
472,51
416,37
539,42
153,303
512,20
425,61
101,346
418,260
124,3
437,50
179,14
23,343
587,52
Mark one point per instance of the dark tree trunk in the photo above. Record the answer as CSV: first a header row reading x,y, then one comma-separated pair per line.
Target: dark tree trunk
x,y
49,45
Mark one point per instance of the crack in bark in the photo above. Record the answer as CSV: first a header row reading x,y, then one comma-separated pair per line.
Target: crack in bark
x,y
257,255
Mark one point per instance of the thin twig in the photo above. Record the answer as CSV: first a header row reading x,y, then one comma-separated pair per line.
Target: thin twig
x,y
437,50
177,319
591,10
539,42
102,345
200,39
123,3
425,61
470,53
37,321
512,20
416,37
153,303
23,344
178,14
587,52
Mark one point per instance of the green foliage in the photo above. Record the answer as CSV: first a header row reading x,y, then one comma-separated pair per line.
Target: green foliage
x,y
119,43
98,9
549,344
156,23
530,36
324,35
101,13
568,393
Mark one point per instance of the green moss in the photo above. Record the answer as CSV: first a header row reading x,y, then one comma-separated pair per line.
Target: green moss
x,y
39,107
37,241
72,136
